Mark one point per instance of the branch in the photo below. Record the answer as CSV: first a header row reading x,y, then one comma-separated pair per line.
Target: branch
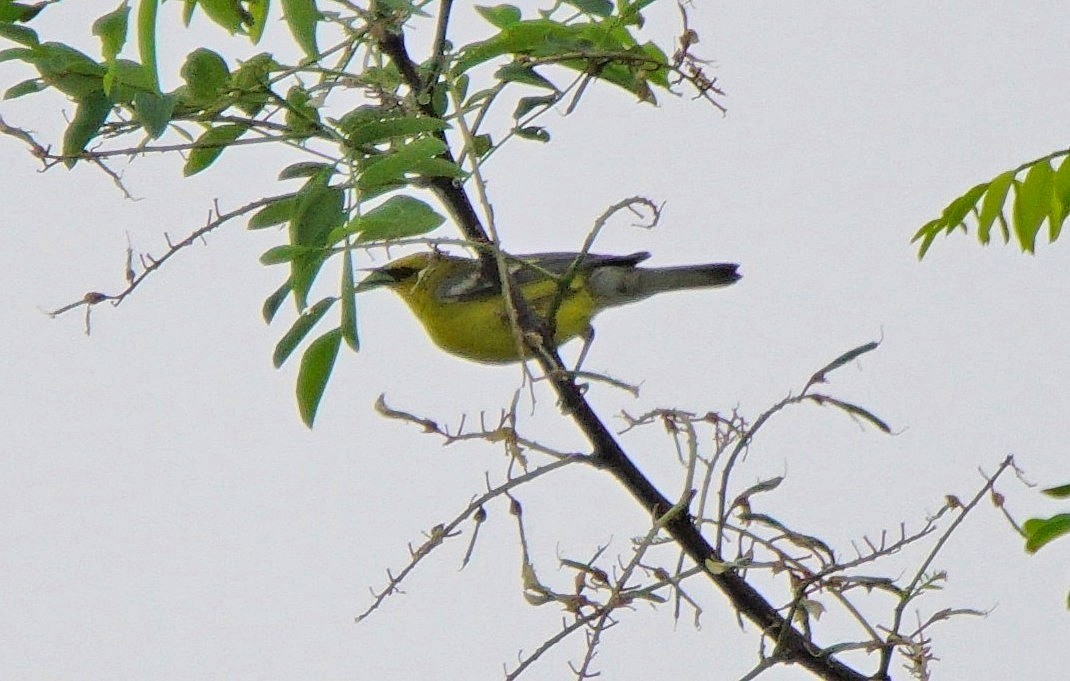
x,y
93,297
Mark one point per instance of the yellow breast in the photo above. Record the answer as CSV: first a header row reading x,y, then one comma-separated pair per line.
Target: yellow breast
x,y
480,330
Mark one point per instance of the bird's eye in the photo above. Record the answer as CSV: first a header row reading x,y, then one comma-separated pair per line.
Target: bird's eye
x,y
402,273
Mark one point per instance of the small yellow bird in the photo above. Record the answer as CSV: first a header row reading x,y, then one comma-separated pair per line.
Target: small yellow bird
x,y
464,312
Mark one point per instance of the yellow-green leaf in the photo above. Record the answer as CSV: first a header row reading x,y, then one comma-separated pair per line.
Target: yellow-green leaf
x,y
316,366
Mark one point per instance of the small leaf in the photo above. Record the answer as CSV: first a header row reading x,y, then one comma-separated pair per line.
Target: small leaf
x,y
90,114
210,145
273,302
23,35
16,11
1060,199
600,8
928,233
396,218
533,132
301,17
1041,531
393,166
316,365
319,210
514,72
68,70
844,359
275,213
992,206
1060,492
1032,200
154,111
349,301
300,328
304,169
111,28
958,209
301,117
206,75
225,13
528,104
26,87
257,18
373,132
286,253
251,81
854,410
500,15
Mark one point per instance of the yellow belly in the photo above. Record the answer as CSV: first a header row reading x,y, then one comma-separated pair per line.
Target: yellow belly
x,y
480,330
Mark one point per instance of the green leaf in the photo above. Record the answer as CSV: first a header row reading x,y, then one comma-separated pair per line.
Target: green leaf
x,y
1041,531
111,29
927,234
210,145
23,35
1060,492
257,18
1060,200
601,8
305,169
437,167
273,302
820,376
68,70
206,74
301,117
19,53
26,87
275,213
349,301
396,218
500,15
1032,201
226,13
187,11
251,81
992,206
286,253
533,132
958,209
319,210
90,114
17,11
481,144
515,72
383,130
301,17
316,365
146,40
393,166
526,105
154,111
300,328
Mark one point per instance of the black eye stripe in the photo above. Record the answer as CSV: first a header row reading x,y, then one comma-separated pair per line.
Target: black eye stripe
x,y
402,273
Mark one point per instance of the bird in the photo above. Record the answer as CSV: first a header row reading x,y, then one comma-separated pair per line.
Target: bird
x,y
465,313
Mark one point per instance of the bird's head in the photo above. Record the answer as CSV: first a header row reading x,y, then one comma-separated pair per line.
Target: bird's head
x,y
400,274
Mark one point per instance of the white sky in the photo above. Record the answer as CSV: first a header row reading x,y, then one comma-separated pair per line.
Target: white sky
x,y
166,516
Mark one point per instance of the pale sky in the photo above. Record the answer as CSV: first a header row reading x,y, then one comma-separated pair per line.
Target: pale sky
x,y
167,516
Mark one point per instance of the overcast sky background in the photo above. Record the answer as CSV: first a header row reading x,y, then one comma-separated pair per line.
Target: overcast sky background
x,y
165,515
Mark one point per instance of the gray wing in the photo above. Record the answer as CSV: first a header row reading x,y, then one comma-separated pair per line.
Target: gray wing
x,y
468,284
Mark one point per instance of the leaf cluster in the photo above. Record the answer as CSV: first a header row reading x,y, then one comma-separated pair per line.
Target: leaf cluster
x,y
1041,193
368,165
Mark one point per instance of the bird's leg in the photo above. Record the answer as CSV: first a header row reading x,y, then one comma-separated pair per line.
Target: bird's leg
x,y
588,338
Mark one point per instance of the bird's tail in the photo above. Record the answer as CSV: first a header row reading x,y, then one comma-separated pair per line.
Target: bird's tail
x,y
618,285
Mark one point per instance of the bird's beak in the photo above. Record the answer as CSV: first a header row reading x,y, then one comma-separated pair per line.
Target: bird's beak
x,y
376,279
